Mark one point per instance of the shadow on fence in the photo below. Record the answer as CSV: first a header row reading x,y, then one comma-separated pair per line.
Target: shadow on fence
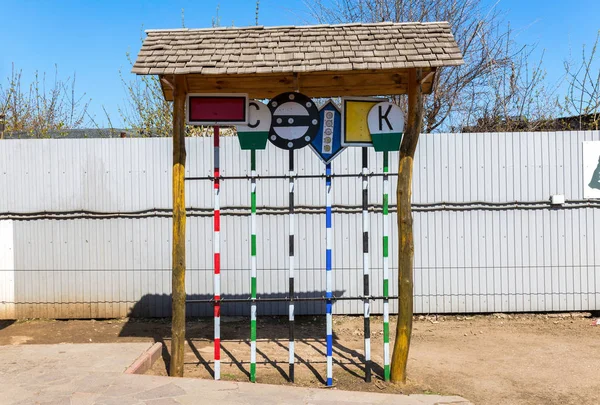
x,y
159,305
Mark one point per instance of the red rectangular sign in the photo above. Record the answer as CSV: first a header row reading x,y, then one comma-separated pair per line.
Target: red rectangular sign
x,y
217,109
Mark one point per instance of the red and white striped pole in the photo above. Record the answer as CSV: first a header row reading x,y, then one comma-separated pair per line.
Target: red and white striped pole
x,y
217,259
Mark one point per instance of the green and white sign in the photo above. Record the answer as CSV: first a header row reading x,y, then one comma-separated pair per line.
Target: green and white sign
x,y
386,125
255,134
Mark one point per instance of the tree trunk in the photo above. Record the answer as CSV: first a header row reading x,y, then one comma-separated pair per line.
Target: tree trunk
x,y
178,275
405,227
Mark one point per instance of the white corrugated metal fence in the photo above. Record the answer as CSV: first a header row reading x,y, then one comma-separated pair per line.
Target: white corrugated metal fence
x,y
85,226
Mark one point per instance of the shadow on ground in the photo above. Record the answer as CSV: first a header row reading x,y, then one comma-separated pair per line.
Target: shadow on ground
x,y
309,330
6,324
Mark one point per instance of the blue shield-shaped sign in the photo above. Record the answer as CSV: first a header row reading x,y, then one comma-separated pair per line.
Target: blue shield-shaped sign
x,y
328,142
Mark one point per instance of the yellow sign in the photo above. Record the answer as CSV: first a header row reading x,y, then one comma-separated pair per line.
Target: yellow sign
x,y
355,127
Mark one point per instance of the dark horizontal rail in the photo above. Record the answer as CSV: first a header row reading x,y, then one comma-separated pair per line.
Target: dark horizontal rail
x,y
288,299
287,176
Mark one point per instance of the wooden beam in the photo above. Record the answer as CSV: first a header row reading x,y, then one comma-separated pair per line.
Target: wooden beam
x,y
405,227
428,77
178,275
330,80
167,82
297,82
313,84
167,93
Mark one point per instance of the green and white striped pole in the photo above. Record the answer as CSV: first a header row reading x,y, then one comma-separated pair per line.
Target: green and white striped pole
x,y
253,265
386,307
386,123
252,137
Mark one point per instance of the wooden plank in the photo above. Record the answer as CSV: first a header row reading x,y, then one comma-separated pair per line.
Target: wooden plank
x,y
178,275
405,227
313,92
168,93
314,84
359,79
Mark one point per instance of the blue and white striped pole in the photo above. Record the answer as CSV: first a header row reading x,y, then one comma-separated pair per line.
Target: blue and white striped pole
x,y
328,278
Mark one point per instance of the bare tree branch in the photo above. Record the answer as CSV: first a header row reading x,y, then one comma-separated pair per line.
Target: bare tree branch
x,y
39,108
583,94
461,95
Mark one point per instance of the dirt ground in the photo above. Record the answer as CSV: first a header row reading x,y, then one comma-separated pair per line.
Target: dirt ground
x,y
495,359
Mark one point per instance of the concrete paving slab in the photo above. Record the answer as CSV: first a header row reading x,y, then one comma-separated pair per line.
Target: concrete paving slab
x,y
103,357
93,374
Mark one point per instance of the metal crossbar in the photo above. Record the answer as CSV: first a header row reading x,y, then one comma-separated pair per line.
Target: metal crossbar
x,y
288,299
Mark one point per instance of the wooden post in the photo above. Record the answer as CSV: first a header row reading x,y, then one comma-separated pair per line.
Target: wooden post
x,y
405,227
178,275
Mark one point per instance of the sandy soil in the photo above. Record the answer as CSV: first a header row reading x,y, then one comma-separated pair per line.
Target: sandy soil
x,y
496,359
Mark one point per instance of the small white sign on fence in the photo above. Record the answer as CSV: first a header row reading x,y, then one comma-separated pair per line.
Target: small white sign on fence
x,y
591,169
7,270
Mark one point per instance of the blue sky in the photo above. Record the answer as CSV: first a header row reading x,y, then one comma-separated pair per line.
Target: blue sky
x,y
92,38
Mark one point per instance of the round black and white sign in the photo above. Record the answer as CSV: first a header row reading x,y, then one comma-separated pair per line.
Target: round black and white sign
x,y
295,121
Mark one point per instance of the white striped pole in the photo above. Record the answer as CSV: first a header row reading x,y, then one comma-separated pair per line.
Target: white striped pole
x,y
253,265
328,278
217,260
366,271
386,307
291,270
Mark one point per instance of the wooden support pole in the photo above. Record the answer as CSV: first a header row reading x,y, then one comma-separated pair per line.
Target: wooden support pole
x,y
2,125
178,275
405,227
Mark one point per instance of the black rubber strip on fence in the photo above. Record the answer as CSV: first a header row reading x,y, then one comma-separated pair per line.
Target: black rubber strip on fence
x,y
306,209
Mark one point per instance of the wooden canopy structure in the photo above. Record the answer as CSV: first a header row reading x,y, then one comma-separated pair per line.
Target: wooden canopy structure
x,y
319,61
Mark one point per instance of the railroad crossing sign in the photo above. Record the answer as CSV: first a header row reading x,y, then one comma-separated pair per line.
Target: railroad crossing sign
x,y
295,120
328,142
254,135
386,125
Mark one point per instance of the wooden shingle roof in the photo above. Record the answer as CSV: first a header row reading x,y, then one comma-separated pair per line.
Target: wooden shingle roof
x,y
318,60
302,49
